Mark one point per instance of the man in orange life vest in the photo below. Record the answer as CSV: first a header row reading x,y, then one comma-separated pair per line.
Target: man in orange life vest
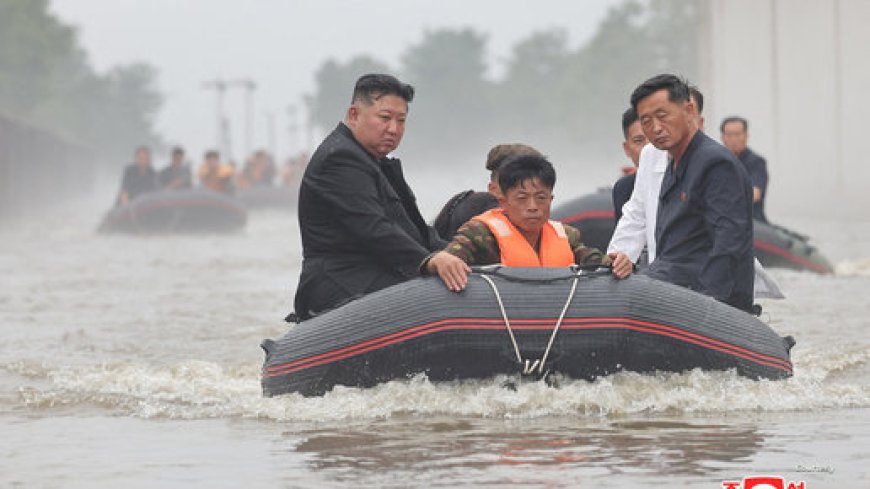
x,y
519,233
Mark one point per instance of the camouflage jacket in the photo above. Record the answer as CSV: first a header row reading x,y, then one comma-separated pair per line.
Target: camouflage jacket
x,y
475,244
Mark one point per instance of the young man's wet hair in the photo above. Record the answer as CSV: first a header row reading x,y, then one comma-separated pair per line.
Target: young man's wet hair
x,y
373,86
518,169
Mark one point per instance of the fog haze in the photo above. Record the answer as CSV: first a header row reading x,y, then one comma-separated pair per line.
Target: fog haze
x,y
280,45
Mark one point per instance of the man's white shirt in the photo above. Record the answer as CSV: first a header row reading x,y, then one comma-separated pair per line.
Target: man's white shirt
x,y
637,228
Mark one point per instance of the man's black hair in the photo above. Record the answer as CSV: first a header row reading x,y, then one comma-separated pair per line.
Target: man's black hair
x,y
698,97
629,117
373,86
518,169
177,150
678,89
212,153
734,118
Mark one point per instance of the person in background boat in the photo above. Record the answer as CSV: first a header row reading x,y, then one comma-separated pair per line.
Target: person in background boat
x,y
634,141
215,175
139,177
704,221
519,233
465,205
360,225
259,170
177,174
734,131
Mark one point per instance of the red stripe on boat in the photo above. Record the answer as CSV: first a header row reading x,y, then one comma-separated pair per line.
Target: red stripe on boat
x,y
525,324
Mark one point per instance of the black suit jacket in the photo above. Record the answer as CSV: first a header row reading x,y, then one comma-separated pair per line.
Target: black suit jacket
x,y
704,224
756,166
622,190
361,228
460,209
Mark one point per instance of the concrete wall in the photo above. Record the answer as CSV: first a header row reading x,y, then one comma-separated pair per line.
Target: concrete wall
x,y
798,70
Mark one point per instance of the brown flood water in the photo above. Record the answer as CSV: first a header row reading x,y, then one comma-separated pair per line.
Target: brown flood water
x,y
134,362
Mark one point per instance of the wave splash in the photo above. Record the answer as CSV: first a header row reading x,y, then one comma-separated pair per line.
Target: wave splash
x,y
196,389
853,268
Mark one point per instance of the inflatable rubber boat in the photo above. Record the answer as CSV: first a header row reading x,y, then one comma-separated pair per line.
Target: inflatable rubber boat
x,y
774,245
592,214
177,211
521,321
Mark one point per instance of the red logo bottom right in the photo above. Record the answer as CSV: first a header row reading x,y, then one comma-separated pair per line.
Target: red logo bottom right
x,y
763,482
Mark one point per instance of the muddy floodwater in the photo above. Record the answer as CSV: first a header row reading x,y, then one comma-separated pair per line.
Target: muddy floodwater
x,y
134,362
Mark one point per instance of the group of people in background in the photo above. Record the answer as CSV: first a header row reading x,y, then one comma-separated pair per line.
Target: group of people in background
x,y
259,170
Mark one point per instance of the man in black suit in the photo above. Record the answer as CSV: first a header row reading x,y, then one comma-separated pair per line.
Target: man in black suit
x,y
704,226
361,228
734,135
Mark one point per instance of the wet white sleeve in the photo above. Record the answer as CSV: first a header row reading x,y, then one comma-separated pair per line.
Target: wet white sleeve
x,y
629,236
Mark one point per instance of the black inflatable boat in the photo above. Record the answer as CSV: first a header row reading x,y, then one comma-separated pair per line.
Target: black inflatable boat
x,y
532,321
177,211
774,246
592,214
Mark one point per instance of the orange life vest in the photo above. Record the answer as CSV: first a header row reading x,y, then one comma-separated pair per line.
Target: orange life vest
x,y
516,250
217,179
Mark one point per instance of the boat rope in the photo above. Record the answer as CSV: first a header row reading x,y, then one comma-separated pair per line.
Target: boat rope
x,y
559,322
507,322
529,367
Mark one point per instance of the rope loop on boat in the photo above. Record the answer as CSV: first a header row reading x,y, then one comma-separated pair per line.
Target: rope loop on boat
x,y
529,367
507,322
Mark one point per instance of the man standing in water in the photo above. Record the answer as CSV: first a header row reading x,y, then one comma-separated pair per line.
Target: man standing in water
x,y
734,135
361,228
703,230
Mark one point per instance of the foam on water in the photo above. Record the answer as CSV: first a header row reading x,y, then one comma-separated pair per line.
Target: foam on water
x,y
853,268
198,389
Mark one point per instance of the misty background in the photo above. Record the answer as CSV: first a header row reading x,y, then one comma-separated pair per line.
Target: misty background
x,y
83,82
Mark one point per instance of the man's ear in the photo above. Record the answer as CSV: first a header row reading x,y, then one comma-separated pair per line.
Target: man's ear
x,y
625,149
691,110
352,115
